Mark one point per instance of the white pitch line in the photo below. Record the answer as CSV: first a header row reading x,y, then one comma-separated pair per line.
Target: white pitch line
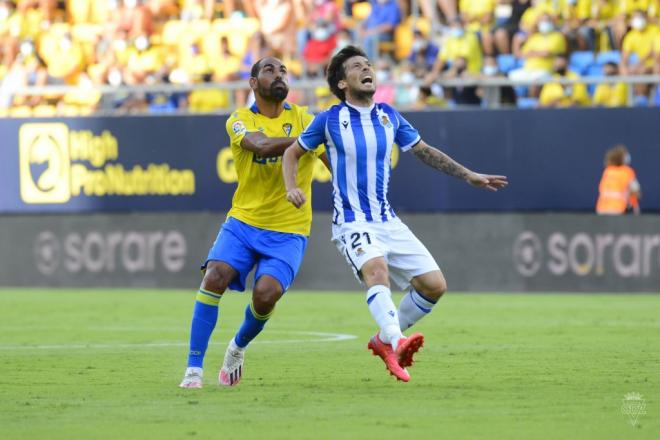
x,y
322,337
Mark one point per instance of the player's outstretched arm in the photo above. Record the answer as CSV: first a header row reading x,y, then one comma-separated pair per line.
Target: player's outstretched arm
x,y
290,170
442,162
265,146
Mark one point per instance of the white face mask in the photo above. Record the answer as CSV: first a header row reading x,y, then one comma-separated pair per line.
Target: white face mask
x,y
418,45
65,44
382,76
114,78
627,159
141,43
407,78
638,23
27,49
457,32
545,27
321,34
343,42
490,70
119,45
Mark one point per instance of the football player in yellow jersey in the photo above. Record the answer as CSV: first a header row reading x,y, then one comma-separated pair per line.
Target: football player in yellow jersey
x,y
262,229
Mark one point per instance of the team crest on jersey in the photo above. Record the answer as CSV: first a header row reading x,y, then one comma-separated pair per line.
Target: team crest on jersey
x,y
385,121
238,128
287,128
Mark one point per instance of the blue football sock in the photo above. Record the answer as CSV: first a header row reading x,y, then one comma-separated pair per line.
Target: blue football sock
x,y
251,327
204,318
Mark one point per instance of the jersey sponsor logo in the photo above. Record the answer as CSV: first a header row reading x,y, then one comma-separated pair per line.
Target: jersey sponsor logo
x,y
287,129
344,124
238,128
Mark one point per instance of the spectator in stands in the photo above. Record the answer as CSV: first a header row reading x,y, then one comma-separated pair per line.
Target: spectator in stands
x,y
461,95
528,24
448,9
385,80
144,62
507,96
278,20
226,65
625,12
507,23
423,54
619,191
459,44
558,95
639,42
65,60
479,18
208,100
379,26
134,19
344,38
83,101
193,10
406,90
320,37
540,51
575,15
611,94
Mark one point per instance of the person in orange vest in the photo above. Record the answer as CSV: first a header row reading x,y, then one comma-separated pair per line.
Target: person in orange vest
x,y
619,190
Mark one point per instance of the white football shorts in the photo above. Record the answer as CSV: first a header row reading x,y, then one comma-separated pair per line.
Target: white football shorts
x,y
405,255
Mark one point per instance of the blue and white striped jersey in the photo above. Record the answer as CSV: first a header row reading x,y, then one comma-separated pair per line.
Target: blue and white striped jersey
x,y
358,142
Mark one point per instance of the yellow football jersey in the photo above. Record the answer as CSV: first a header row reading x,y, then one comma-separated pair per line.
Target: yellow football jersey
x,y
260,199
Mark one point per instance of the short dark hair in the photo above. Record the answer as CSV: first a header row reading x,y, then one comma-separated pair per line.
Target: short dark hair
x,y
256,68
336,70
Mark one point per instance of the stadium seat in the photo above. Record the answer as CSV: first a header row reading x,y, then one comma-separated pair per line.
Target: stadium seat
x,y
612,56
506,63
580,61
640,101
594,70
524,102
656,97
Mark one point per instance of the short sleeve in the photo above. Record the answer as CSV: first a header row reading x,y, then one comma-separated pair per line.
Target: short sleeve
x,y
406,135
314,134
237,127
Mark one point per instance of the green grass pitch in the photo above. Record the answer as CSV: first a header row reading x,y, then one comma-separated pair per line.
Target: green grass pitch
x,y
105,364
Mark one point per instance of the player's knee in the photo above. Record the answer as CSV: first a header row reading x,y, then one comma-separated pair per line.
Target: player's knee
x,y
266,295
433,287
216,279
375,274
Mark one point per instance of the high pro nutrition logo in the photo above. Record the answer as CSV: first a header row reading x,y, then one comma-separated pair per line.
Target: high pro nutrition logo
x,y
44,163
57,164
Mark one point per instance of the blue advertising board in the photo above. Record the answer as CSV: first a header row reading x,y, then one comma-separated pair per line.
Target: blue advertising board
x,y
553,159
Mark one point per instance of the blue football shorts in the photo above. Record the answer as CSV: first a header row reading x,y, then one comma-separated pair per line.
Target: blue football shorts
x,y
242,246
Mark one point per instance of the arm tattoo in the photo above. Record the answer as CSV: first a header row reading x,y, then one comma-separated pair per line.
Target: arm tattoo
x,y
440,161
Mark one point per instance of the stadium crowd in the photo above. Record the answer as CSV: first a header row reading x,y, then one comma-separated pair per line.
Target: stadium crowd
x,y
414,44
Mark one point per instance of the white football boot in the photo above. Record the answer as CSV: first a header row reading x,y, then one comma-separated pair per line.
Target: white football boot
x,y
192,378
232,367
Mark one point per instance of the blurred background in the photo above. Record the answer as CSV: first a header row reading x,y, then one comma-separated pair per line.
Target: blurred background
x,y
82,57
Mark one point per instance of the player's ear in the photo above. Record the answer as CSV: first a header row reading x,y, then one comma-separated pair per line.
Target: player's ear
x,y
253,83
342,84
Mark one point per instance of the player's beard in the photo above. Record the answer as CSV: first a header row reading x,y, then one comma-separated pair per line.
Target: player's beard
x,y
363,95
274,93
